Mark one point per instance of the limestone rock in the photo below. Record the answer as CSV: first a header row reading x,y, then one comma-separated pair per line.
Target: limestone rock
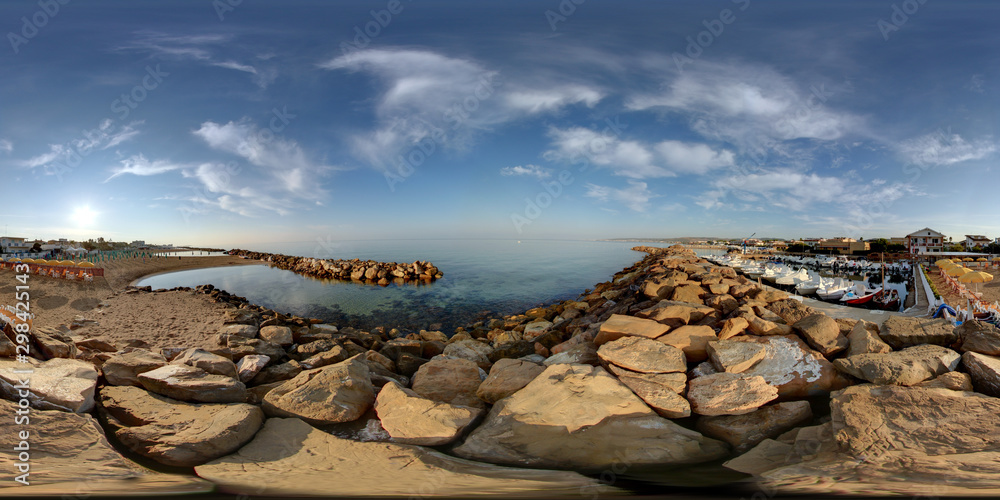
x,y
250,366
985,372
979,336
955,381
188,383
453,381
577,416
793,368
658,390
822,333
411,419
329,395
280,335
734,357
733,327
692,339
760,326
506,377
901,331
907,367
583,354
767,455
246,331
864,341
746,431
289,458
175,433
57,384
729,394
472,350
277,373
790,311
619,325
53,343
674,314
536,328
124,367
211,363
335,355
676,382
643,355
688,293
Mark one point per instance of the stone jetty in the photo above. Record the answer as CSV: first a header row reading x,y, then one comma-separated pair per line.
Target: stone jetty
x,y
675,361
365,271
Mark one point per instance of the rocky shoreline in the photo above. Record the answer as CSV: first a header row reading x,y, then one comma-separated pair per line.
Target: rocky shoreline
x,y
364,271
675,361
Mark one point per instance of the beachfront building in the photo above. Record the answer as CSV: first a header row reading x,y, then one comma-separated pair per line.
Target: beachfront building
x,y
925,240
975,240
137,244
811,242
11,244
843,246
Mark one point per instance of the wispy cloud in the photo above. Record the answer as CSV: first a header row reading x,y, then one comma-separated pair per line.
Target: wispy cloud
x,y
636,196
200,48
105,136
944,148
530,170
139,165
6,146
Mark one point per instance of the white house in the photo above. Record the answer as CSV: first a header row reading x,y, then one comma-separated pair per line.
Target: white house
x,y
925,240
975,240
11,244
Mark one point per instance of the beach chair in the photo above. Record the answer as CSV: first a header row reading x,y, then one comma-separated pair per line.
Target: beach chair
x,y
88,277
70,275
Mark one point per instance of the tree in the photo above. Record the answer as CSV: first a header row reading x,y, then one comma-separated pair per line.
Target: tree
x,y
993,248
798,247
89,245
36,248
897,247
879,245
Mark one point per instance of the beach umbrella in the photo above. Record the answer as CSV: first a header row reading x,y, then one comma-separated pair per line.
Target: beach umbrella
x,y
981,259
976,277
86,264
958,271
967,259
942,262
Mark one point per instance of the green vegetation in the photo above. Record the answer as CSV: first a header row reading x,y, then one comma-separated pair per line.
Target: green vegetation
x,y
931,283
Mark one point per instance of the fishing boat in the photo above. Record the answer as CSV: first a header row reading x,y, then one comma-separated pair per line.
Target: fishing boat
x,y
886,301
833,291
857,295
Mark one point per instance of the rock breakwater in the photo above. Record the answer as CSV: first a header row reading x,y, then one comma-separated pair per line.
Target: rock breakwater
x,y
357,270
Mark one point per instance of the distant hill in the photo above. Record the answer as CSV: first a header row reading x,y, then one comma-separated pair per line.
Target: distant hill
x,y
682,240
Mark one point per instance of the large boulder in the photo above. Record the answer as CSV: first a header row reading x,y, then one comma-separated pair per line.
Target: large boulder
x,y
506,377
746,431
675,382
449,380
411,419
729,394
53,343
250,366
863,340
822,333
733,327
642,355
472,350
907,367
688,293
188,383
692,339
793,368
674,314
658,390
979,336
790,310
57,384
280,335
290,458
580,417
985,372
124,367
329,395
175,433
734,357
902,331
620,325
211,363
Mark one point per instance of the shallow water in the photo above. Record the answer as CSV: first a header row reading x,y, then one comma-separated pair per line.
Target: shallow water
x,y
482,278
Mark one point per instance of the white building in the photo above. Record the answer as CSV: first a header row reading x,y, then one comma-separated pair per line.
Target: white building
x,y
975,240
925,240
137,244
12,244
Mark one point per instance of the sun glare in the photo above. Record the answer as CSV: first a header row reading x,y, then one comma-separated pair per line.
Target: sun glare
x,y
84,216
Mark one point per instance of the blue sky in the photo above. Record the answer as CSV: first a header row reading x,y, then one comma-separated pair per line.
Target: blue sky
x,y
212,124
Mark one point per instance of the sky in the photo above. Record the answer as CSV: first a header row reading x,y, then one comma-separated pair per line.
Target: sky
x,y
233,122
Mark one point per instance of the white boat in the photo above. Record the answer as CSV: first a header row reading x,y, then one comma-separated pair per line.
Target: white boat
x,y
793,278
810,286
834,290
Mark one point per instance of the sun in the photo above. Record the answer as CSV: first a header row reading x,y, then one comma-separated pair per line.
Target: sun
x,y
84,216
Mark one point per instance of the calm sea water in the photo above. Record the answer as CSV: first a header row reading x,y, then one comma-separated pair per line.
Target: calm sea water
x,y
482,278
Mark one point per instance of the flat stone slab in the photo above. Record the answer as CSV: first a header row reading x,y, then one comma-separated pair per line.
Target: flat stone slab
x,y
907,367
793,368
643,355
329,395
746,431
57,384
985,372
729,394
187,383
734,357
412,419
901,331
620,325
291,458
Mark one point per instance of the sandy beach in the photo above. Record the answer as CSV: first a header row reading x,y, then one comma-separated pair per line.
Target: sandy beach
x,y
990,291
56,301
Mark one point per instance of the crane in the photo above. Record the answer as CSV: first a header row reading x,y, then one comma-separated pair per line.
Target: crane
x,y
745,241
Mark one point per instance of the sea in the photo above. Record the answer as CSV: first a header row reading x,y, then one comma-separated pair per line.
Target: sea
x,y
482,279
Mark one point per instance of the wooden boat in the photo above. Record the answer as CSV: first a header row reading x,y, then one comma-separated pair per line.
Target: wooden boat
x,y
886,301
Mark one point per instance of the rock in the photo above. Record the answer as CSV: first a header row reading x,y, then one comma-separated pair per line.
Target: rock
x,y
907,367
733,327
53,343
746,431
280,335
734,357
411,419
764,327
472,350
245,331
619,325
66,385
688,293
729,394
793,368
771,296
430,336
241,316
676,382
864,341
901,331
507,377
329,395
822,333
511,349
124,367
211,363
408,364
955,381
691,339
536,328
453,381
790,311
577,416
380,360
642,355
985,372
188,383
289,458
675,314
8,349
335,355
724,303
767,455
394,347
702,369
277,373
581,354
250,366
237,347
176,433
979,336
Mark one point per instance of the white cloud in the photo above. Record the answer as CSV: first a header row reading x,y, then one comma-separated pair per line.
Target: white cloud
x,y
532,170
236,66
103,137
6,146
693,158
944,148
139,165
55,152
200,48
537,100
636,196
